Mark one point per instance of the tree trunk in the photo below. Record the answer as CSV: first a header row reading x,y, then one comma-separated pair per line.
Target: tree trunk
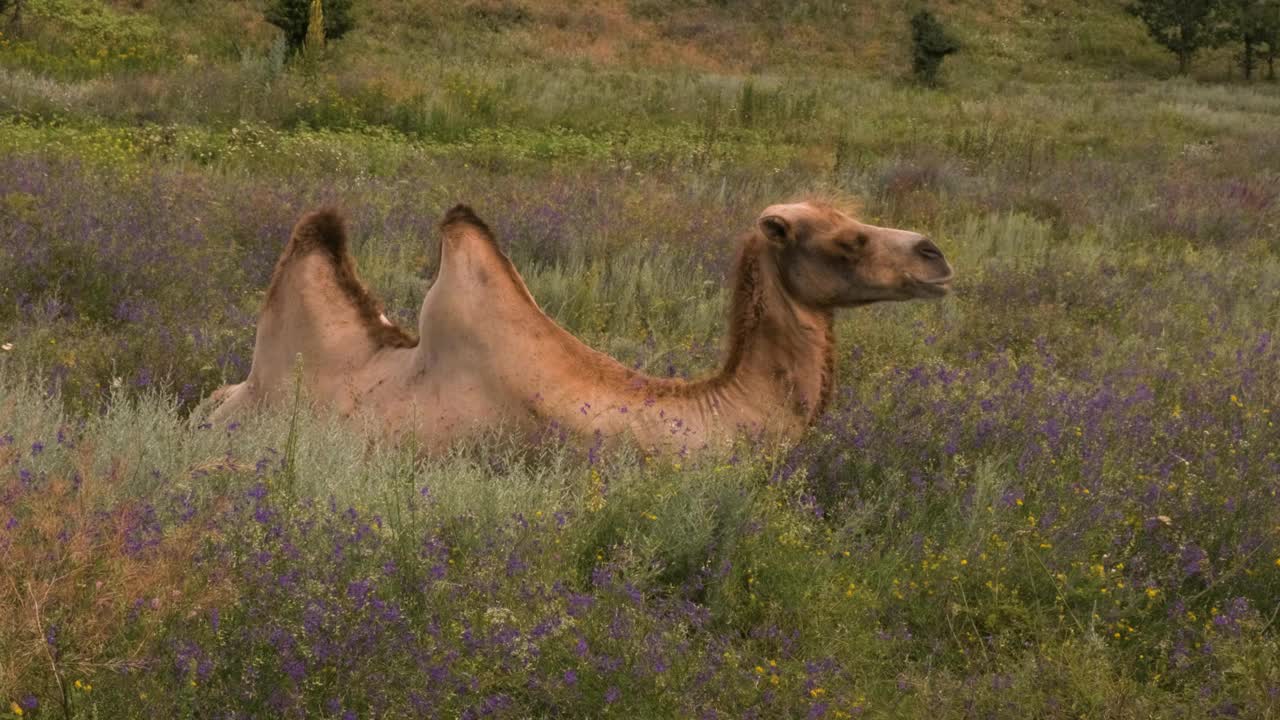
x,y
1247,59
1184,61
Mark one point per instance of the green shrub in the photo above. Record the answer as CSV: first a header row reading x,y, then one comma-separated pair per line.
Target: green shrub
x,y
930,45
293,16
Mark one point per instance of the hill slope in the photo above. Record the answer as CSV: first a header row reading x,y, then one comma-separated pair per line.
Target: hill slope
x,y
1033,39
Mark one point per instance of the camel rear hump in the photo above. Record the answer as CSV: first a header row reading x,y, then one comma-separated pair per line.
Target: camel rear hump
x,y
462,232
463,214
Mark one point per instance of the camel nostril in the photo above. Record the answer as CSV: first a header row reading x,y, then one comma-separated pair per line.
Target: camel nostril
x,y
928,250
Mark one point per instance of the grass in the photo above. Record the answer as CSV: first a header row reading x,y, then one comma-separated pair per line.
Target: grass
x,y
1051,495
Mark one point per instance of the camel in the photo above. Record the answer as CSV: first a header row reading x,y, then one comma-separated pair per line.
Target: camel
x,y
487,356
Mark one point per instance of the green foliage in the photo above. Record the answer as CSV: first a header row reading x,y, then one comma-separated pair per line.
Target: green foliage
x,y
1254,26
1184,27
293,17
931,43
76,38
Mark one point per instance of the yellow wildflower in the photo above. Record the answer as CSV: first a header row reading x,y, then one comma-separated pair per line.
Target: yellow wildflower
x,y
16,708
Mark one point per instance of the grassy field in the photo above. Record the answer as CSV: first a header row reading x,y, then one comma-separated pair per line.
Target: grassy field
x,y
1052,495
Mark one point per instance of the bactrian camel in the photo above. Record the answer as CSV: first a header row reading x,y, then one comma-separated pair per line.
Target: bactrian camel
x,y
488,357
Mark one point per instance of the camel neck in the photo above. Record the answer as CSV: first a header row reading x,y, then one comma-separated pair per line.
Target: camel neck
x,y
781,353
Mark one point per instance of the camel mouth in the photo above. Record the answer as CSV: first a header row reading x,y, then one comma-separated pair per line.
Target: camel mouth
x,y
933,287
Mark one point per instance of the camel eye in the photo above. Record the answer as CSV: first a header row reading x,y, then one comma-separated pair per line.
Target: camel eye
x,y
852,245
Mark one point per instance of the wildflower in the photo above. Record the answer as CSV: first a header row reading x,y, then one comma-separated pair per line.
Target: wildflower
x,y
1152,592
15,708
816,692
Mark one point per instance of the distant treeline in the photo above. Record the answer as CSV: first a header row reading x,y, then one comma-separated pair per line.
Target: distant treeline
x,y
1185,27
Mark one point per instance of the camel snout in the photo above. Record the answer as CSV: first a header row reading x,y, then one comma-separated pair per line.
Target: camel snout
x,y
932,274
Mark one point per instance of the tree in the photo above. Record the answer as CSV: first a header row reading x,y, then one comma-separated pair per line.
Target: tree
x,y
1184,27
294,16
1271,44
315,28
1252,24
15,21
1264,28
930,45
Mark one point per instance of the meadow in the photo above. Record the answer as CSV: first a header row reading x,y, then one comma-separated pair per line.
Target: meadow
x,y
1052,494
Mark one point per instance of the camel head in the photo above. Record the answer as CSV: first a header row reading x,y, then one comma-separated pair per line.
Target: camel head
x,y
827,259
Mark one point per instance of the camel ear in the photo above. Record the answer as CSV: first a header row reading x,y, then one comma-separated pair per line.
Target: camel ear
x,y
776,228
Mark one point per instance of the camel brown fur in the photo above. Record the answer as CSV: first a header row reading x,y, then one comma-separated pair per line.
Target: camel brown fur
x,y
489,357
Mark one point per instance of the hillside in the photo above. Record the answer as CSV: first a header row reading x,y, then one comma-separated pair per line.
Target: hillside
x,y
1027,39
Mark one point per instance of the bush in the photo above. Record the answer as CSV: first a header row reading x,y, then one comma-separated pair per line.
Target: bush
x,y
293,16
930,44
